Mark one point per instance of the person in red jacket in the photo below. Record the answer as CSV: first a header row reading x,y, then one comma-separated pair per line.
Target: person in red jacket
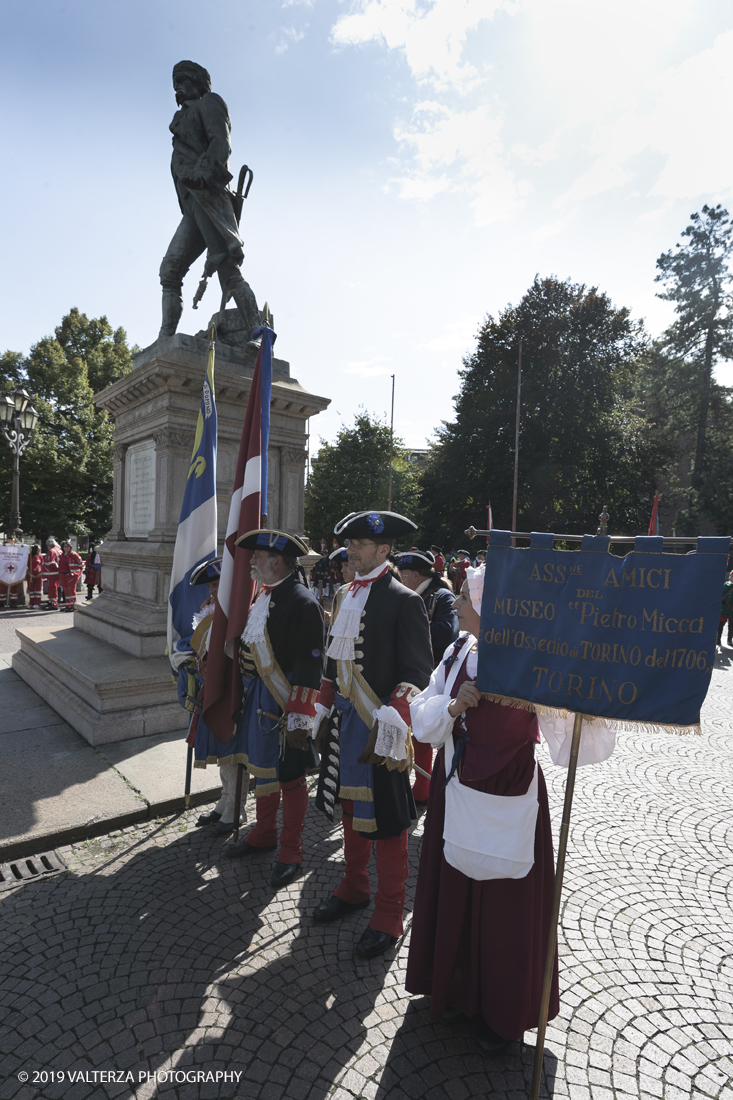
x,y
35,577
50,573
70,566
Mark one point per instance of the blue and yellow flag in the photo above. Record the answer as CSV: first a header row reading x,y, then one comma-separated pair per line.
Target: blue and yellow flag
x,y
197,531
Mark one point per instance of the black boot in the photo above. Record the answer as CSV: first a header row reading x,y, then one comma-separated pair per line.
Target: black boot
x,y
172,310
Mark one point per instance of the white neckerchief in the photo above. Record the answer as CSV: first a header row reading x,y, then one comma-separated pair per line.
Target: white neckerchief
x,y
421,587
345,630
254,628
207,609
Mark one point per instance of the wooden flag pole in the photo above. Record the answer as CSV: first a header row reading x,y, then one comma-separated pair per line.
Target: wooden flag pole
x,y
187,790
555,911
237,802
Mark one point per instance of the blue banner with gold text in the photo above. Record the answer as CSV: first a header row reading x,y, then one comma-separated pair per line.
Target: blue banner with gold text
x,y
630,639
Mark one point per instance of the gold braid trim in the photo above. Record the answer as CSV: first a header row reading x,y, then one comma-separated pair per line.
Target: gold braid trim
x,y
261,773
270,672
623,724
353,686
235,758
356,794
364,825
263,789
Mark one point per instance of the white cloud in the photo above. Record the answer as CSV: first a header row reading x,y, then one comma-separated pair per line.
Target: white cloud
x,y
461,151
681,125
551,229
291,36
604,88
368,368
430,35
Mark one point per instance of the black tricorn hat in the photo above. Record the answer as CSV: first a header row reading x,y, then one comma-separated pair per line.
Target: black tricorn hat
x,y
206,572
372,525
341,552
415,559
280,542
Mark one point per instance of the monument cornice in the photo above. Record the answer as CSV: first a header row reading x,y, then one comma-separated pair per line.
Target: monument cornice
x,y
169,372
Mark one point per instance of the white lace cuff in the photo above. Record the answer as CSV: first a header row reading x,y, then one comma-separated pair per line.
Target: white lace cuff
x,y
321,714
391,734
300,721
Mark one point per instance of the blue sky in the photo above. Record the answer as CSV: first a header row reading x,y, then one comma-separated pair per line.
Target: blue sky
x,y
416,163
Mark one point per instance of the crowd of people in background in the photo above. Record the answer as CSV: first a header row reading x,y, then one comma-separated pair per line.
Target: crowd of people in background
x,y
328,575
58,574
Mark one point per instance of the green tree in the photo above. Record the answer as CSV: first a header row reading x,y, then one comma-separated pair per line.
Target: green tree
x,y
352,474
668,391
696,275
66,472
583,442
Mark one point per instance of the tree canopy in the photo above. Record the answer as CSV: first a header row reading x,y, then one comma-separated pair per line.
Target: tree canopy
x,y
584,441
688,406
352,474
66,472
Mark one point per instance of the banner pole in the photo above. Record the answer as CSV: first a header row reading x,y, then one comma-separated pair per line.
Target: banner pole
x,y
555,911
189,765
237,802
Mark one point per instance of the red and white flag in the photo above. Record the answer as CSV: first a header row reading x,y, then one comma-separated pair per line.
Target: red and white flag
x,y
223,689
654,521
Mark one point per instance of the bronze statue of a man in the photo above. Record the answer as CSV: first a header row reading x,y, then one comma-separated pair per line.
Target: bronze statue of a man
x,y
200,168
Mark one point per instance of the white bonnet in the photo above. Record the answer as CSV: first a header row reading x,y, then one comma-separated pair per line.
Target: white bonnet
x,y
475,579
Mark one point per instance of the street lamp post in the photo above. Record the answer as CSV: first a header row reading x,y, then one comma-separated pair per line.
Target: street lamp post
x,y
18,418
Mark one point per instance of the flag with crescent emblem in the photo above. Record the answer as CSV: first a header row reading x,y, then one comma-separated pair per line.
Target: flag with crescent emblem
x,y
196,536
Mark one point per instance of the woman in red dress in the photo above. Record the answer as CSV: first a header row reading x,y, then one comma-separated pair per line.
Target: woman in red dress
x,y
478,947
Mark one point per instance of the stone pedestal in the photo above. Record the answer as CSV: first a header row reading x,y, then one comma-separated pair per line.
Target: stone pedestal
x,y
155,409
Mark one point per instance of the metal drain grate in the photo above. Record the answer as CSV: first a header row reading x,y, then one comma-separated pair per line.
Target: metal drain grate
x,y
29,868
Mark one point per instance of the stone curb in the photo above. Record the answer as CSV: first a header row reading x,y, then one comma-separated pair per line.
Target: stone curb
x,y
76,833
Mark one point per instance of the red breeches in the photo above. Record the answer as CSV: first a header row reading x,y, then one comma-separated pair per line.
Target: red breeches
x,y
295,805
391,857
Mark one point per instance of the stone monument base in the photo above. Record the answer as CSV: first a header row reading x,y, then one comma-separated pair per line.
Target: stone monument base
x,y
104,694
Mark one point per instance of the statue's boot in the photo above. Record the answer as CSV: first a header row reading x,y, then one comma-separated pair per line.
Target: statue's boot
x,y
172,310
243,295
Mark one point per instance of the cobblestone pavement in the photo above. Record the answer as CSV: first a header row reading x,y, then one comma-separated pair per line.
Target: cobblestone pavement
x,y
152,953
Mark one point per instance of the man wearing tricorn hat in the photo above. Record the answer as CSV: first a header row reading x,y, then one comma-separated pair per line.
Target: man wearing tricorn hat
x,y
281,658
379,658
200,168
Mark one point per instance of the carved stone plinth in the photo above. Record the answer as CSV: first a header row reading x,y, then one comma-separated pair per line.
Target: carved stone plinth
x,y
155,409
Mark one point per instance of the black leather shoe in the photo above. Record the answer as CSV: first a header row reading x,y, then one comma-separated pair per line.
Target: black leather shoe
x,y
334,908
209,818
451,1015
283,873
242,848
373,943
223,828
487,1040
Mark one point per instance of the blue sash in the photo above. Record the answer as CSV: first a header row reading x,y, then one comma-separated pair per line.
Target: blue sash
x,y
356,780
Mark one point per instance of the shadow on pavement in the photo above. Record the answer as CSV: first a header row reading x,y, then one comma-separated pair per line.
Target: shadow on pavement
x,y
175,958
440,1060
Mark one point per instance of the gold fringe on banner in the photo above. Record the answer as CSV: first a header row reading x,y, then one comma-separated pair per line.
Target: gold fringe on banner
x,y
621,724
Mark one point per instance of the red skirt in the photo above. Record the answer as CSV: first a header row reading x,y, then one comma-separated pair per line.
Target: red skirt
x,y
480,947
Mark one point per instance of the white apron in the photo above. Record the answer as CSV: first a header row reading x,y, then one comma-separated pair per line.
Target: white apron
x,y
488,836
